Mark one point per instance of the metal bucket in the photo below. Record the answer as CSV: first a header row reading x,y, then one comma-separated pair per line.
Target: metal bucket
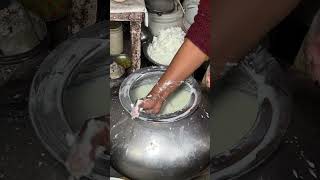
x,y
260,76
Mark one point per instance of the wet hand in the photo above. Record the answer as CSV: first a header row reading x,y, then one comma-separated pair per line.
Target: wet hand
x,y
152,104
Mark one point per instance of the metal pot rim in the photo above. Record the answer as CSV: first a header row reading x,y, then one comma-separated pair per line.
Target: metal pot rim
x,y
266,134
127,104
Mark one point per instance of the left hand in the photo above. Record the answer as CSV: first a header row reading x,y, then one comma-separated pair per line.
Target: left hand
x,y
160,92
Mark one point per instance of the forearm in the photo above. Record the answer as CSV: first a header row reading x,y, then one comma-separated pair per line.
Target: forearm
x,y
237,26
186,61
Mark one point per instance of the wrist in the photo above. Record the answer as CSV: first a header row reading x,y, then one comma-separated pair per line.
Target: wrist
x,y
163,89
156,95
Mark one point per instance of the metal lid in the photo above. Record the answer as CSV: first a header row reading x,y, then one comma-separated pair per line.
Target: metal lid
x,y
160,6
150,75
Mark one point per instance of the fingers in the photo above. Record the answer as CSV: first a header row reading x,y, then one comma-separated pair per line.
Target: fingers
x,y
151,106
154,110
146,104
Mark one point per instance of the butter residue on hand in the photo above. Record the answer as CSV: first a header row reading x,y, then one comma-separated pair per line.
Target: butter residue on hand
x,y
135,112
175,102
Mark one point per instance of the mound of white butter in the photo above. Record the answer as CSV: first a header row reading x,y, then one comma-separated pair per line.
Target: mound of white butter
x,y
165,46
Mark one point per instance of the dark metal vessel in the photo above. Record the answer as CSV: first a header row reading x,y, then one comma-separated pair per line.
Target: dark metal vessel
x,y
171,146
260,76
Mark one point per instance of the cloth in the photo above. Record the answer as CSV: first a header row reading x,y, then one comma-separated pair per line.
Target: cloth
x,y
199,32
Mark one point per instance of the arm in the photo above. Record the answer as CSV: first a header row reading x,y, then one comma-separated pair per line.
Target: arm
x,y
186,61
237,26
193,52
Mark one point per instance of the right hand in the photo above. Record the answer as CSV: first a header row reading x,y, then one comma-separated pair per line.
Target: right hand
x,y
152,103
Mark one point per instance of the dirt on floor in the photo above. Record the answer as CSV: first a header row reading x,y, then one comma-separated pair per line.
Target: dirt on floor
x,y
22,156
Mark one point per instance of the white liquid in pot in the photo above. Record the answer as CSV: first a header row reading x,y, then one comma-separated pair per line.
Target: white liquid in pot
x,y
175,102
234,114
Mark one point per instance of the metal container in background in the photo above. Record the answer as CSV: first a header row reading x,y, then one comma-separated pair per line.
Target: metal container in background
x,y
160,6
23,42
20,30
191,10
146,35
116,38
160,21
119,1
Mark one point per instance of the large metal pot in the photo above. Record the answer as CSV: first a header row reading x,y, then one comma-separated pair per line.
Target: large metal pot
x,y
75,63
261,77
172,146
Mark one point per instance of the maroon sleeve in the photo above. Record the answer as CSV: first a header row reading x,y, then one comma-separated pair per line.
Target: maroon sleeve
x,y
199,32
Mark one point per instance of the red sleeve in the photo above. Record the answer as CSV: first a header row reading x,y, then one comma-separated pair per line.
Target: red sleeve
x,y
199,32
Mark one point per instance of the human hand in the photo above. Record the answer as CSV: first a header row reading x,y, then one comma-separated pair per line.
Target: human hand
x,y
153,102
152,105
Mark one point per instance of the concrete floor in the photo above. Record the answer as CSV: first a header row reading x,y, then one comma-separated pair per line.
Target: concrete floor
x,y
22,155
